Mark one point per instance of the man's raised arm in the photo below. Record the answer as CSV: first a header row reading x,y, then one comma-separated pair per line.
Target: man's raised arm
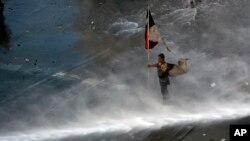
x,y
153,65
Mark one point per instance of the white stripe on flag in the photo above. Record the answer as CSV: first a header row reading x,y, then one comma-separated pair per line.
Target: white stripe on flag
x,y
154,34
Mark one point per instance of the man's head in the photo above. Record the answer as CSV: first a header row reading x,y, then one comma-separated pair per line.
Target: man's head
x,y
161,58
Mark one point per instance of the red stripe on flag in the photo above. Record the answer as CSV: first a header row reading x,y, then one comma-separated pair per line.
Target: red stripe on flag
x,y
149,44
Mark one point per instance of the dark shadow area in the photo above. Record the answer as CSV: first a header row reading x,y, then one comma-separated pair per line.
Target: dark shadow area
x,y
4,30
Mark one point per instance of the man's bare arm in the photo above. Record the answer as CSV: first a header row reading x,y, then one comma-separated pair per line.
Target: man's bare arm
x,y
153,65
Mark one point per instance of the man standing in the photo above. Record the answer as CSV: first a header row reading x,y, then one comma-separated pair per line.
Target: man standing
x,y
163,67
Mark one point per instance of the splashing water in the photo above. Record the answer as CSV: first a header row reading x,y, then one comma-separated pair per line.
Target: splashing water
x,y
107,92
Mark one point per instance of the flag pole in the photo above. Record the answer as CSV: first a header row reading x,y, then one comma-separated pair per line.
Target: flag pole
x,y
148,37
148,50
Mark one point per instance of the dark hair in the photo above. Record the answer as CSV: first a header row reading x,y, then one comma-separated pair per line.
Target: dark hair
x,y
162,56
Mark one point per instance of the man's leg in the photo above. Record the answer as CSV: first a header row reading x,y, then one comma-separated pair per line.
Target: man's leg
x,y
164,92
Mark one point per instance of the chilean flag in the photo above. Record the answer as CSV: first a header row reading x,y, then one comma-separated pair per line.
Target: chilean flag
x,y
152,34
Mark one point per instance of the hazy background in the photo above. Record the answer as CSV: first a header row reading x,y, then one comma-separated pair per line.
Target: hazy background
x,y
79,67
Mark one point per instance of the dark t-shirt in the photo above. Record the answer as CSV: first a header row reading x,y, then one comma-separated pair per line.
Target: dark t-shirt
x,y
163,76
